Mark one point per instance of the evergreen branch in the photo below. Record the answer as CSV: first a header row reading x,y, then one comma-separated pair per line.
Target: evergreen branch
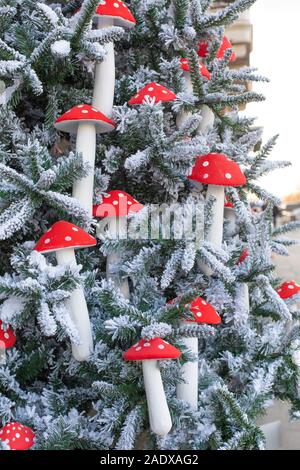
x,y
86,14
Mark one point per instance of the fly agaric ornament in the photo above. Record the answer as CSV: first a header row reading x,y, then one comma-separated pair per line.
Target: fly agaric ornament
x,y
153,92
224,46
109,13
17,436
62,239
7,337
217,171
114,210
149,352
86,121
288,291
203,313
207,115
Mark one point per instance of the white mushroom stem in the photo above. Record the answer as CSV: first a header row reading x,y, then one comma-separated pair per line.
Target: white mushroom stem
x,y
117,226
188,391
229,214
183,116
215,232
104,87
208,117
83,189
159,414
77,307
244,295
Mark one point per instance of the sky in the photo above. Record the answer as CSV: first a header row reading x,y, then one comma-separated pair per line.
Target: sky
x,y
276,29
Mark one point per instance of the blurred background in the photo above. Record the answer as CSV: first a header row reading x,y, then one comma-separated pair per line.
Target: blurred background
x,y
267,38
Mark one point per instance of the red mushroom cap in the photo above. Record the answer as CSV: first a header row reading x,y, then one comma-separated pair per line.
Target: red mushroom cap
x,y
226,44
84,113
64,235
184,64
204,312
243,256
153,91
217,169
227,203
288,289
117,11
116,204
17,436
7,337
151,349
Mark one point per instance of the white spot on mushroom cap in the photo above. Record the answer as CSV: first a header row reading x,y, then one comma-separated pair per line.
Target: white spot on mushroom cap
x,y
68,239
161,346
206,163
75,229
84,111
150,88
147,345
228,176
115,203
6,335
291,286
48,240
138,348
203,302
129,203
116,5
205,176
165,92
199,314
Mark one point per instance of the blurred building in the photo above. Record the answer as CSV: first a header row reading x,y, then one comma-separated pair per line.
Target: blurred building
x,y
240,35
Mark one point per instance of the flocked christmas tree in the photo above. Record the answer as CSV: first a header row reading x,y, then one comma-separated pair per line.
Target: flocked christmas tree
x,y
208,340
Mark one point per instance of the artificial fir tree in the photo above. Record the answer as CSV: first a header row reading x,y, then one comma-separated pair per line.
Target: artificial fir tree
x,y
48,53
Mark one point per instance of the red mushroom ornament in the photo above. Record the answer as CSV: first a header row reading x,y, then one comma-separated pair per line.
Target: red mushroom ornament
x,y
225,45
243,255
7,337
86,121
109,13
207,115
153,92
63,238
17,436
114,209
149,352
217,171
288,289
203,313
